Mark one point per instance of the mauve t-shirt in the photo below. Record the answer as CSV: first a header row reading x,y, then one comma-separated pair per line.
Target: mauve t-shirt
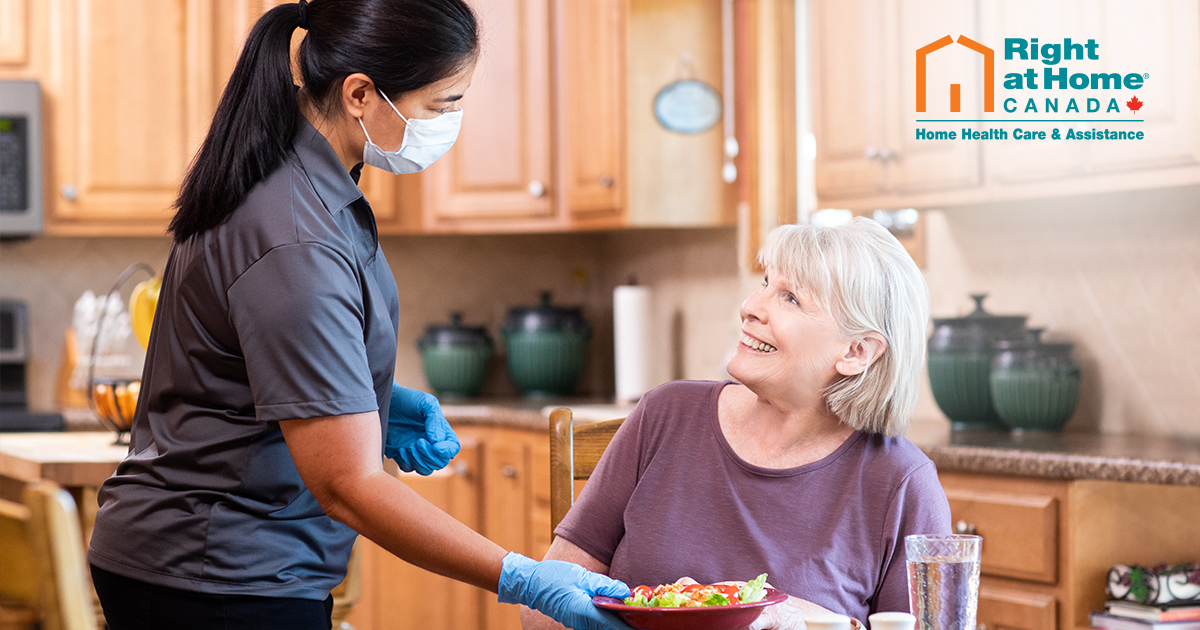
x,y
670,498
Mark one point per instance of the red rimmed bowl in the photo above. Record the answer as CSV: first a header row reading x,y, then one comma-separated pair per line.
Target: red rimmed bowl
x,y
731,617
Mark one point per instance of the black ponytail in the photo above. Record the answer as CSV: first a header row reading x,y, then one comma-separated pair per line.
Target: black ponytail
x,y
403,45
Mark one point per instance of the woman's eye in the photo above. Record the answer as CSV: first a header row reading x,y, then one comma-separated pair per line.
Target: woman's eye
x,y
764,282
791,297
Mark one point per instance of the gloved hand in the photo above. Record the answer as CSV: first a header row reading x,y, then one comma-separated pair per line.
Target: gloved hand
x,y
418,436
560,590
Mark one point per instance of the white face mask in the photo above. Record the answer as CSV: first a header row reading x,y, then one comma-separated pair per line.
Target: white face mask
x,y
425,140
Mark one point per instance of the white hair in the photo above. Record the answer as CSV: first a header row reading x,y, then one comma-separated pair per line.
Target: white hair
x,y
866,280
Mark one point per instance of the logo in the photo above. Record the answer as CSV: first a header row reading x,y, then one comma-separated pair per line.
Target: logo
x,y
1060,75
989,73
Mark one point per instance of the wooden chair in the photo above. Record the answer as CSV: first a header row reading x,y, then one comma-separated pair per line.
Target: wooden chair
x,y
42,554
574,452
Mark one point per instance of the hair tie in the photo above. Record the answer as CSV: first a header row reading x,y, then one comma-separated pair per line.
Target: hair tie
x,y
302,20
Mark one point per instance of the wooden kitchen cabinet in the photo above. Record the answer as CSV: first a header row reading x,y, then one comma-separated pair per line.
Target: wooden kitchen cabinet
x,y
863,78
1048,544
129,88
541,145
495,486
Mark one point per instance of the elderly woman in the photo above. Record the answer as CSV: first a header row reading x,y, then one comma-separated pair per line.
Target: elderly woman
x,y
798,469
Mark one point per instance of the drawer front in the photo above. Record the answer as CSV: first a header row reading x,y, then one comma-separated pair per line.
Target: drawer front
x,y
1020,531
1004,609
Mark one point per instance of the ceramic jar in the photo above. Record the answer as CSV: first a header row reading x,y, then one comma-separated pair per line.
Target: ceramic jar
x,y
455,357
546,347
1035,385
961,350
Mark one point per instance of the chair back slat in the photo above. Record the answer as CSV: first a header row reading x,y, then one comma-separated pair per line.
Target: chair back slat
x,y
41,550
16,556
574,453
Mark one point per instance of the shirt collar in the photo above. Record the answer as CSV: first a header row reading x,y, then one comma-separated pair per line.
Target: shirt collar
x,y
336,188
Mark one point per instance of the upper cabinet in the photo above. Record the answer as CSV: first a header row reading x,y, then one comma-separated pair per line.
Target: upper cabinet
x,y
558,131
864,93
129,88
500,170
542,142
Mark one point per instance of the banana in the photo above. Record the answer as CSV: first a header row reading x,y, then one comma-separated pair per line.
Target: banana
x,y
142,303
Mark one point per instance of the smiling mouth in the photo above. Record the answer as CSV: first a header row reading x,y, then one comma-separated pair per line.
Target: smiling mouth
x,y
755,344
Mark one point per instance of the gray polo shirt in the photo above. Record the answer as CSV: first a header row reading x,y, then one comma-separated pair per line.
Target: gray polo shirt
x,y
286,310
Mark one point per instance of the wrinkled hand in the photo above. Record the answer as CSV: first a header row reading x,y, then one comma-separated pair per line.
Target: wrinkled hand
x,y
781,616
560,590
418,436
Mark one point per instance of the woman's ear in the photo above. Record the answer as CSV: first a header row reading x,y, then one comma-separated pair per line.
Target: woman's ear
x,y
860,354
357,90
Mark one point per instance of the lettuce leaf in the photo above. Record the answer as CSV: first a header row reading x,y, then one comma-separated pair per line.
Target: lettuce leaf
x,y
754,590
637,600
716,599
669,600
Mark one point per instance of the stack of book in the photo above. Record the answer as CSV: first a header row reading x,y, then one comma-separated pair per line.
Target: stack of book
x,y
1124,615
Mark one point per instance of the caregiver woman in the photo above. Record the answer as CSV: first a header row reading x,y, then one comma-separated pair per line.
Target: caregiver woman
x,y
267,400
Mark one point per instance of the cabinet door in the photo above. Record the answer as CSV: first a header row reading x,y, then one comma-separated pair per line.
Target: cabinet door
x,y
14,34
847,92
590,95
500,168
1154,38
397,594
1016,162
1007,609
1017,518
130,93
506,495
930,165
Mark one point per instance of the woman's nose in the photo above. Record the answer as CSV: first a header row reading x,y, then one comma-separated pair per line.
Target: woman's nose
x,y
752,308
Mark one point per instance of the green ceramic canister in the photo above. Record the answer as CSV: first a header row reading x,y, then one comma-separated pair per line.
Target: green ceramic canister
x,y
547,347
455,357
1035,385
961,350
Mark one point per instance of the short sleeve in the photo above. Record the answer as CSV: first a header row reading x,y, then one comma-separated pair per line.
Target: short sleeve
x,y
596,523
918,507
299,316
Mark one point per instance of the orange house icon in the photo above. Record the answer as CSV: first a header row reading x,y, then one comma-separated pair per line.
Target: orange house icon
x,y
989,73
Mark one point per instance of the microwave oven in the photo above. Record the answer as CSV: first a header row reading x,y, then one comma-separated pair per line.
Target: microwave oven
x,y
20,158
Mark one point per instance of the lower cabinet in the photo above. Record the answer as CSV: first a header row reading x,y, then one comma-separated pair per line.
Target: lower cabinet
x,y
499,486
1048,544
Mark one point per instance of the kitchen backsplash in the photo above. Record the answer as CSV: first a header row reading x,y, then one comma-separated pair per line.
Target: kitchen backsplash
x,y
1117,274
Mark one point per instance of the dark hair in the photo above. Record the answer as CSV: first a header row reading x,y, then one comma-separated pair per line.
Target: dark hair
x,y
403,45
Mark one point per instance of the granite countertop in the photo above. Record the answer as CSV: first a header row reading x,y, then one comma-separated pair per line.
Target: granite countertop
x,y
1141,459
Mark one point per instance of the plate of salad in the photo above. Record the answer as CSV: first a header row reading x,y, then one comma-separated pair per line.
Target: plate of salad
x,y
693,606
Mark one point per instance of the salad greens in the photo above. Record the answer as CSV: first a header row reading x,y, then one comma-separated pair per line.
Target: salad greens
x,y
694,595
754,590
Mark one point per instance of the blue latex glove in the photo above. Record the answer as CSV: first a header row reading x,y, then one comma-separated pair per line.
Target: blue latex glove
x,y
560,590
418,436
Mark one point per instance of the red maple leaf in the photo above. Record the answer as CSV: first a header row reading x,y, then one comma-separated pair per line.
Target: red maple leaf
x,y
1134,104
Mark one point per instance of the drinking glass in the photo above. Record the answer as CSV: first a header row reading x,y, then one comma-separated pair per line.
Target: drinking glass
x,y
943,580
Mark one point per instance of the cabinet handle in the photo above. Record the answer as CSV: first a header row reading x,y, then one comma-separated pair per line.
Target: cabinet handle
x,y
536,189
509,472
963,527
461,469
607,181
887,155
871,153
69,192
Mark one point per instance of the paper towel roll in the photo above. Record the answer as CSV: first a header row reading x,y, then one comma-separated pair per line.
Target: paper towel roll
x,y
632,341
